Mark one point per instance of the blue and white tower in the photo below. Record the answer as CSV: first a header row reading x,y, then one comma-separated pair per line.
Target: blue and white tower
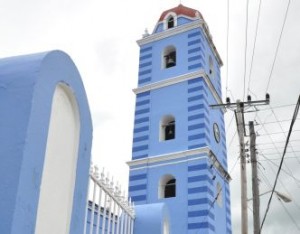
x,y
179,147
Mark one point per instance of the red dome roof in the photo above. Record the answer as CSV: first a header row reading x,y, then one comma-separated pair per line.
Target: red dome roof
x,y
181,10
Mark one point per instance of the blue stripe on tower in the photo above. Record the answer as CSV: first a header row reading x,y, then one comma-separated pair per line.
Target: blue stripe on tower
x,y
141,126
200,196
146,64
218,86
198,121
145,67
195,50
196,33
138,186
227,206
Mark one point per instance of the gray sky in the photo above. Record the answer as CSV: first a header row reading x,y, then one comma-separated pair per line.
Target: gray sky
x,y
101,39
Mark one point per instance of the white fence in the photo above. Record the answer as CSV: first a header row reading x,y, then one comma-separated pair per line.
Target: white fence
x,y
108,210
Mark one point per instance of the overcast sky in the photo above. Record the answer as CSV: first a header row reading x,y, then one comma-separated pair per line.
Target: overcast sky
x,y
100,36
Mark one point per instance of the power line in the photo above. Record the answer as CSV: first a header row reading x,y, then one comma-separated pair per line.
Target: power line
x,y
274,133
283,130
279,121
291,217
254,46
281,183
278,107
231,141
281,162
286,152
276,165
227,48
278,44
246,45
269,135
269,185
277,142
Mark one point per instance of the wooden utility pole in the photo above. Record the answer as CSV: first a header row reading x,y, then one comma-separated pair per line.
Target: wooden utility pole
x,y
255,184
239,114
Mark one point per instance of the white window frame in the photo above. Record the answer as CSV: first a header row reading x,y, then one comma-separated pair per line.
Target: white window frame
x,y
162,125
162,185
166,20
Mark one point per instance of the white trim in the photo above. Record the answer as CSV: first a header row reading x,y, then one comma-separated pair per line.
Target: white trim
x,y
199,23
180,155
167,17
171,156
170,32
170,81
178,79
170,163
178,16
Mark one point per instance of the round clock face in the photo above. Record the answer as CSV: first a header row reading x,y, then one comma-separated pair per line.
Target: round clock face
x,y
216,132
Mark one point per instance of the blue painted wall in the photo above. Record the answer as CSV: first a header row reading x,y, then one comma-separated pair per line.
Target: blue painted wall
x,y
194,208
150,218
27,84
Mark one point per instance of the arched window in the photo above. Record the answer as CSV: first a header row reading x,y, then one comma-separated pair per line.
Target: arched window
x,y
170,22
167,128
167,187
170,188
169,57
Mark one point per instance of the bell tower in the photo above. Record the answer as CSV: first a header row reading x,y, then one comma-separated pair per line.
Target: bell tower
x,y
179,153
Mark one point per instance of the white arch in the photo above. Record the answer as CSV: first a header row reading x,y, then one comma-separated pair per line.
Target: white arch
x,y
167,17
162,184
59,170
168,55
164,122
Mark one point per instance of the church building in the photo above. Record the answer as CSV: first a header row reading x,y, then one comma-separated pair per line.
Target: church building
x,y
179,157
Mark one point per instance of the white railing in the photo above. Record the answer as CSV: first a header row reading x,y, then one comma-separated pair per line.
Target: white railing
x,y
108,210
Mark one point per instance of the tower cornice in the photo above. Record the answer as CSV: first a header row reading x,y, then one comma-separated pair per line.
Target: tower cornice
x,y
181,156
178,79
200,23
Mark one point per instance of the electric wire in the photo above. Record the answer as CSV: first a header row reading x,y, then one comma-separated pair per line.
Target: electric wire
x,y
281,183
227,47
278,107
230,122
277,142
282,204
276,165
283,130
254,46
269,135
275,133
281,162
231,140
246,46
292,152
278,45
278,121
289,214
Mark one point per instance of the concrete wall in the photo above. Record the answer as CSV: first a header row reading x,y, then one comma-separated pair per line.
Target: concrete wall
x,y
39,94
